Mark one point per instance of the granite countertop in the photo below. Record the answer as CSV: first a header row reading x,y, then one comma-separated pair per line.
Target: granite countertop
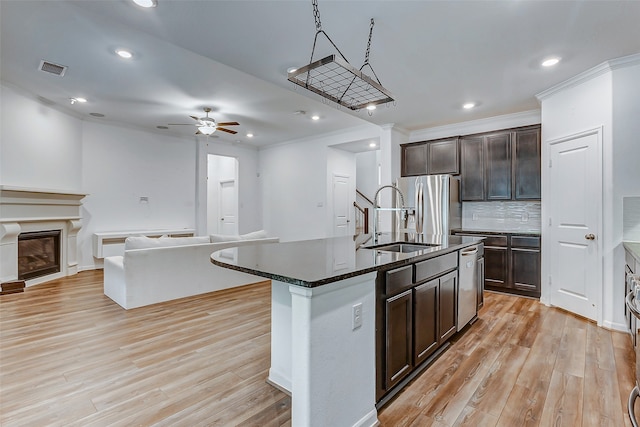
x,y
491,233
633,248
312,263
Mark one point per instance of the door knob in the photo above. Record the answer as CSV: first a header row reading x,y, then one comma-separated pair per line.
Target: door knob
x,y
590,236
221,219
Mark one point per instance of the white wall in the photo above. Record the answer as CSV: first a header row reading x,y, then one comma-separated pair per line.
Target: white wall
x,y
294,183
606,96
121,165
367,172
40,147
43,147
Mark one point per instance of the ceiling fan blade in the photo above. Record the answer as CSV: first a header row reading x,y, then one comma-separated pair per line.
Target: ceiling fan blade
x,y
181,124
229,124
195,118
232,132
199,133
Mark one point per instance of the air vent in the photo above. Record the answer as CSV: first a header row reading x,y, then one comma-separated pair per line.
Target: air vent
x,y
50,67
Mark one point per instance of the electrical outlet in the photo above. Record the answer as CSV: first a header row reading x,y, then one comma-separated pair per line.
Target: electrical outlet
x,y
357,316
525,217
474,217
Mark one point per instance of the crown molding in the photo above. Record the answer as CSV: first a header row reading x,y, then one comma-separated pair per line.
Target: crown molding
x,y
506,121
585,76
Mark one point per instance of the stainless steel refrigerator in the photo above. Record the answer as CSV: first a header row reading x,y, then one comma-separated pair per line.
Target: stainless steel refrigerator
x,y
431,204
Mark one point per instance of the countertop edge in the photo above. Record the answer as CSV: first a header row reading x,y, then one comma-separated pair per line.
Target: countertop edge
x,y
633,248
339,277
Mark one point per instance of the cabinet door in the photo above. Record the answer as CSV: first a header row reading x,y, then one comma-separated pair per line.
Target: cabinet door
x,y
414,159
442,157
496,267
497,150
425,320
525,270
472,169
526,164
399,331
447,313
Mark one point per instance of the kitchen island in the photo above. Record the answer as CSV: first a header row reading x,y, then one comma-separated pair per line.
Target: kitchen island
x,y
323,317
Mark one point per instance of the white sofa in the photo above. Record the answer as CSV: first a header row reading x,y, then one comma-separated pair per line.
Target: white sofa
x,y
154,270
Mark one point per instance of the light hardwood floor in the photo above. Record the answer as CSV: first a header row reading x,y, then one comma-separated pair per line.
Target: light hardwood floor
x,y
69,356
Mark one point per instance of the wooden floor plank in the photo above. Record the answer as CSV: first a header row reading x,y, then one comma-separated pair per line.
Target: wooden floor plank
x,y
69,356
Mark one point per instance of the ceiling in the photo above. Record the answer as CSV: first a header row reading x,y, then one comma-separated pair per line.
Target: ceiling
x,y
233,56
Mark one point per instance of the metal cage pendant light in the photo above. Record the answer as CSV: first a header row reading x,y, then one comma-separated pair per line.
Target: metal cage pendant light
x,y
335,79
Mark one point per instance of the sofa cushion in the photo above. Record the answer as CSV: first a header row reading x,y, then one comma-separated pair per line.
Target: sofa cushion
x,y
143,242
254,235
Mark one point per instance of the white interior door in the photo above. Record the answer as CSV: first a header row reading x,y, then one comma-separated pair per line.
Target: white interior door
x,y
575,203
341,206
227,222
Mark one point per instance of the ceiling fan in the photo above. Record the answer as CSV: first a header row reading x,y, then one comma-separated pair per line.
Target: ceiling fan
x,y
207,125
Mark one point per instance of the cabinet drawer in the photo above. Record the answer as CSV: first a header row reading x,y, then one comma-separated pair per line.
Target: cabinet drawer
x,y
398,280
525,242
496,241
435,266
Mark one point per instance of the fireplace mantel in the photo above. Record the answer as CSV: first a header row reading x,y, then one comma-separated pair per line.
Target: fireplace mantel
x,y
36,209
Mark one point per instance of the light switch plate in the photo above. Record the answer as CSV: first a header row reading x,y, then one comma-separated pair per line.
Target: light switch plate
x,y
357,316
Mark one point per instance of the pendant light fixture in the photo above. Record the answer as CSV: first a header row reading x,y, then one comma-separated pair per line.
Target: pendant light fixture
x,y
334,78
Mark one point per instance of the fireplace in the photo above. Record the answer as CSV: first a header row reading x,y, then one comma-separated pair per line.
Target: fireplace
x,y
38,234
38,254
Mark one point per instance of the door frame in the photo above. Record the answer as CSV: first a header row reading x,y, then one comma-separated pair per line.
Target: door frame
x,y
547,243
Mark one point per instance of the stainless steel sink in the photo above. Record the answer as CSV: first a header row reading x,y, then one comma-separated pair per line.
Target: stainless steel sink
x,y
403,247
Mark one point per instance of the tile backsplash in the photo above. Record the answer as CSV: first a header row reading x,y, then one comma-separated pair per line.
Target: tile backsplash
x,y
501,216
630,219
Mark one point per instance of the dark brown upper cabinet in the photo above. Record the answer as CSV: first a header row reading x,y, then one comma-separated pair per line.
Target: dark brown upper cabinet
x,y
431,157
526,164
472,168
497,172
501,165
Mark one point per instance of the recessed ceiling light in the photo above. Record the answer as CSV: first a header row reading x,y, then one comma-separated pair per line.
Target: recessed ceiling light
x,y
291,70
371,107
372,145
315,117
146,3
122,53
550,62
468,105
249,135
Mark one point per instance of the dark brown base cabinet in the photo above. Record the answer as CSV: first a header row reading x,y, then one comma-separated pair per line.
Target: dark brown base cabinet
x,y
511,263
416,314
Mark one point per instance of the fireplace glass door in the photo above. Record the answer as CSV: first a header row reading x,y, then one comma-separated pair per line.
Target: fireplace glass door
x,y
38,254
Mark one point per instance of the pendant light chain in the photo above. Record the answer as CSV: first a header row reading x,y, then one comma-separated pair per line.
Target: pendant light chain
x,y
366,55
316,15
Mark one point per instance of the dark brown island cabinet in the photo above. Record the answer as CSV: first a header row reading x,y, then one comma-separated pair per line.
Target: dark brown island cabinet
x,y
512,262
416,315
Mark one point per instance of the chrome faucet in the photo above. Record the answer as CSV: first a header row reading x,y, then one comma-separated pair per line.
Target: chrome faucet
x,y
376,206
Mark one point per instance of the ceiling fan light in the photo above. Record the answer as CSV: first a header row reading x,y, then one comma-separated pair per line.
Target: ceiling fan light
x,y
207,130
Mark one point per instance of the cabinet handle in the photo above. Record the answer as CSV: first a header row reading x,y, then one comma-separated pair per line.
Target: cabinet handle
x,y
590,236
467,252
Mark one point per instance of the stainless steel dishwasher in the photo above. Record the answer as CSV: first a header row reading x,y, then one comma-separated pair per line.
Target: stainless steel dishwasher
x,y
467,286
